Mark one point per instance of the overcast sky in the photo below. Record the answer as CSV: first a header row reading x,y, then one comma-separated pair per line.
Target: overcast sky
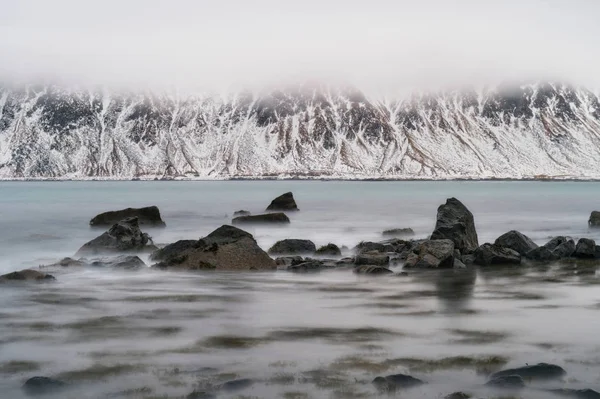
x,y
374,44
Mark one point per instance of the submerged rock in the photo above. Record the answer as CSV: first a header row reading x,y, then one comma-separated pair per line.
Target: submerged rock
x,y
201,395
516,241
226,248
293,247
43,385
121,237
329,250
372,259
288,260
455,222
126,262
491,254
594,220
432,254
148,216
236,385
308,266
586,248
267,218
69,262
372,269
540,371
576,393
396,381
507,382
403,232
27,275
285,202
241,213
457,395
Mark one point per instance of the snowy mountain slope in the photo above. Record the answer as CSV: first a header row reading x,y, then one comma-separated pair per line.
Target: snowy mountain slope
x,y
531,131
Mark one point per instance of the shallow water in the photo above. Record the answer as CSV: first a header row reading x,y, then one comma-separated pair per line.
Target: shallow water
x,y
163,334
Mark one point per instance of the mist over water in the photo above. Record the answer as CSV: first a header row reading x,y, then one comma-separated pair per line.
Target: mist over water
x,y
153,334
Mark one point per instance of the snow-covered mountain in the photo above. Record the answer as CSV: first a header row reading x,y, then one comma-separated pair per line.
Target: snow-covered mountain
x,y
538,130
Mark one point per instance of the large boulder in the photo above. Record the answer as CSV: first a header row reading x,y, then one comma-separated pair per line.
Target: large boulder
x,y
516,241
26,275
124,236
285,202
491,254
586,248
432,254
455,222
594,220
540,371
401,232
293,247
226,248
148,216
329,250
267,218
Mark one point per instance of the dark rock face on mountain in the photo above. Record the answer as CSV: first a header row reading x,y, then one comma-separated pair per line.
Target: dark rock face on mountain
x,y
148,216
534,130
124,236
285,202
455,222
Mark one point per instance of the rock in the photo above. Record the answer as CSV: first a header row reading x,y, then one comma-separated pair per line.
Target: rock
x,y
457,395
226,248
594,220
26,275
236,385
345,262
468,259
173,249
516,241
241,213
293,247
576,393
124,236
201,395
288,260
372,269
455,222
507,382
405,232
148,216
395,381
368,259
458,264
368,246
432,254
43,385
329,250
267,218
126,262
585,248
308,266
565,249
69,262
489,254
285,202
541,254
540,371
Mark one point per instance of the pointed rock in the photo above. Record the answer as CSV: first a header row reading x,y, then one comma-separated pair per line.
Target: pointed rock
x,y
285,202
455,222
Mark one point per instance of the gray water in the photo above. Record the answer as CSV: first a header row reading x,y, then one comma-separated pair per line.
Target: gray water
x,y
163,334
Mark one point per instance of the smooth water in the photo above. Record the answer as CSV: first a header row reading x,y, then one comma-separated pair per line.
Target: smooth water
x,y
163,334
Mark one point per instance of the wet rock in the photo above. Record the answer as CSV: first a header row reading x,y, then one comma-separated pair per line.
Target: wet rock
x,y
288,260
432,254
120,262
455,222
329,250
458,264
540,371
576,393
241,213
372,270
585,248
490,254
43,385
372,259
368,246
507,382
124,236
267,218
148,216
594,220
26,275
405,232
237,385
468,259
293,247
516,241
397,381
457,395
308,266
173,249
226,248
201,395
285,202
561,247
69,262
541,254
345,262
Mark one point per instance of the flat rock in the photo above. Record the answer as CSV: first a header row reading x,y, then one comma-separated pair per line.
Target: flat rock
x,y
540,371
457,395
285,202
490,254
432,254
516,241
401,232
594,220
397,381
26,275
267,218
293,247
236,385
148,216
586,248
124,236
455,222
43,385
372,270
329,250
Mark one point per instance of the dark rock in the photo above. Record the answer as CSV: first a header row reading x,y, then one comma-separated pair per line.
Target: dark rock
x,y
576,393
69,262
288,260
201,395
432,254
293,247
285,202
368,259
226,248
405,232
241,213
174,248
541,254
585,248
43,385
540,371
236,385
594,220
372,269
565,249
457,395
516,241
489,254
267,218
309,266
555,242
458,264
345,262
124,236
26,275
126,262
329,250
368,246
468,259
455,222
396,381
148,216
507,382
